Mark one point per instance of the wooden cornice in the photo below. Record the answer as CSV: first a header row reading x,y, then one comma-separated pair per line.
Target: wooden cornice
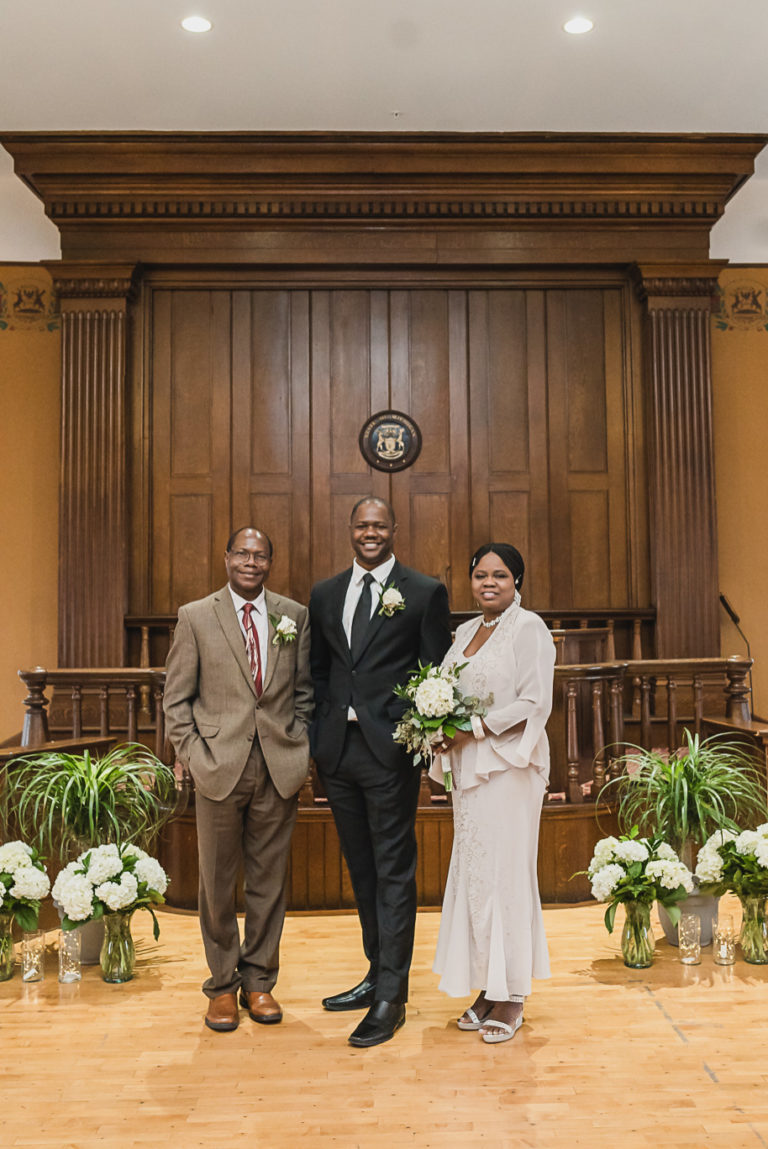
x,y
244,177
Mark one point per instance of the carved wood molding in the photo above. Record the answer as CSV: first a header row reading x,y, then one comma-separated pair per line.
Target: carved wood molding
x,y
79,281
245,177
275,209
671,287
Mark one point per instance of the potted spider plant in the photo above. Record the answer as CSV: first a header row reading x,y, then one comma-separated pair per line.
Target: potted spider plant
x,y
709,784
64,804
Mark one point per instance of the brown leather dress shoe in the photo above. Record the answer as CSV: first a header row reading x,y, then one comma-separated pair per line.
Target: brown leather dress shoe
x,y
223,1014
261,1007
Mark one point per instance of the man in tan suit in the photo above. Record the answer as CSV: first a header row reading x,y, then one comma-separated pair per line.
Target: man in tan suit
x,y
238,701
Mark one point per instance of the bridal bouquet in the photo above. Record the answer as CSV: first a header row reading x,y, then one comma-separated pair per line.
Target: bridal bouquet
x,y
109,879
23,882
633,869
437,709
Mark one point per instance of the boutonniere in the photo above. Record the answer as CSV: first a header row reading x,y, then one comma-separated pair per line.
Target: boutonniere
x,y
390,601
285,629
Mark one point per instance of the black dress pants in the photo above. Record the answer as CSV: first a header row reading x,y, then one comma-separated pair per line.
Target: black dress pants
x,y
375,813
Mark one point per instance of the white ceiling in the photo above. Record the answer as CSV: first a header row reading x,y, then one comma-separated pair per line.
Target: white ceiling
x,y
411,65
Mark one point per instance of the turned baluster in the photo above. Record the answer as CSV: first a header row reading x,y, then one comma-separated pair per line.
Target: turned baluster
x,y
637,639
645,712
159,721
307,791
598,737
610,644
144,690
104,709
616,720
572,742
425,791
35,729
737,690
671,714
77,711
698,702
130,702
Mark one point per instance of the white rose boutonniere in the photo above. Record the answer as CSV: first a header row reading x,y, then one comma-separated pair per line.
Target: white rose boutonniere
x,y
285,629
390,601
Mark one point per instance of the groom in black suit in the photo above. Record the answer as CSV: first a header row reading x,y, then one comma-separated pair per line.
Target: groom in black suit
x,y
364,643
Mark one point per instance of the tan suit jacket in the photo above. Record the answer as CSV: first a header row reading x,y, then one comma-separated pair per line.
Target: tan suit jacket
x,y
211,708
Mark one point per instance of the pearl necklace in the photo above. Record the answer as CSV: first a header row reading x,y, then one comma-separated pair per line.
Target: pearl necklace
x,y
492,623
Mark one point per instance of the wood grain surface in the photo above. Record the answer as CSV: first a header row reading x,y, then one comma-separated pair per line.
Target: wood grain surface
x,y
672,1056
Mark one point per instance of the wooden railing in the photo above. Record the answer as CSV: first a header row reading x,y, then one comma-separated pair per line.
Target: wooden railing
x,y
598,708
626,632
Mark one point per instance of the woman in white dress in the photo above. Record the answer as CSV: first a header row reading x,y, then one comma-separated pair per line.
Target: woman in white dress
x,y
492,930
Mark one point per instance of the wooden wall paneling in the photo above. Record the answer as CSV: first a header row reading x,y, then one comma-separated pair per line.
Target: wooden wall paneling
x,y
93,564
681,455
425,493
270,428
620,447
341,386
508,425
191,388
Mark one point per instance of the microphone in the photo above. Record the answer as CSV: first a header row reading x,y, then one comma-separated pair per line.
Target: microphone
x,y
735,619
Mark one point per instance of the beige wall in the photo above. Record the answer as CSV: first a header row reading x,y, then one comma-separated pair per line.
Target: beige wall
x,y
740,383
29,468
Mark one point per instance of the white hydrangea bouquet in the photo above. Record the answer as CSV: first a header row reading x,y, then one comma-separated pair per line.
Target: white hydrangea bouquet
x,y
737,862
437,709
23,883
634,869
109,879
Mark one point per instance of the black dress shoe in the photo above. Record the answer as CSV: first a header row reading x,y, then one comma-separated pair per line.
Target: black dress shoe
x,y
360,997
381,1022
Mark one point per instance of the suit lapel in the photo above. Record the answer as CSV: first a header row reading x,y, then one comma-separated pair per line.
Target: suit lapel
x,y
336,605
274,649
398,579
226,614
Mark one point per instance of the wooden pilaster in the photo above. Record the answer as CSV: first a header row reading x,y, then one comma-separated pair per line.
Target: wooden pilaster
x,y
93,298
683,528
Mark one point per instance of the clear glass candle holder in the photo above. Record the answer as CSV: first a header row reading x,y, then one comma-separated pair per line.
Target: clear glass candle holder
x,y
70,942
689,939
33,955
724,940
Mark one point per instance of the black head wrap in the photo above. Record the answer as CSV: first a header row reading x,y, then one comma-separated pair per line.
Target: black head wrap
x,y
508,554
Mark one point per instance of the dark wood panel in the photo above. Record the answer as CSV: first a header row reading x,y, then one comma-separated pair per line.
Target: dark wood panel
x,y
590,548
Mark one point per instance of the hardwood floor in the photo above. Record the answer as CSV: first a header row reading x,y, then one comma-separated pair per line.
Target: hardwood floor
x,y
608,1057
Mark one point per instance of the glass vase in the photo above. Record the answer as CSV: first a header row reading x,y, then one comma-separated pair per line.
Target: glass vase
x,y
118,955
6,946
753,938
637,936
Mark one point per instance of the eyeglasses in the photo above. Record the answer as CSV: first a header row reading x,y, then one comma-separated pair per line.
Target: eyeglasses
x,y
244,557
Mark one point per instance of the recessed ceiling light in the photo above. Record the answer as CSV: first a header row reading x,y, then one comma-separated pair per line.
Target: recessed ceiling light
x,y
578,25
196,24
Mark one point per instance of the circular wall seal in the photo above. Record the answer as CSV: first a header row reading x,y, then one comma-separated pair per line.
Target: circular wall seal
x,y
390,441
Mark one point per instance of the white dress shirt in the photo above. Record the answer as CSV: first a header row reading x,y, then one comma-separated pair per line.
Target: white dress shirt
x,y
354,590
260,621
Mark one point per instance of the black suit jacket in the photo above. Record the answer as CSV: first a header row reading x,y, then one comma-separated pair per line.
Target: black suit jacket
x,y
394,646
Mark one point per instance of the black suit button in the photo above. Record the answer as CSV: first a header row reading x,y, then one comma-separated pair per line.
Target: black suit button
x,y
354,672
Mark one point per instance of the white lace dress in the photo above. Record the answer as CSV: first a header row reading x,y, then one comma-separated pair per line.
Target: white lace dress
x,y
492,930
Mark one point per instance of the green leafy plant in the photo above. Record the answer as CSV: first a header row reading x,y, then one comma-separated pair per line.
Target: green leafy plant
x,y
59,801
709,784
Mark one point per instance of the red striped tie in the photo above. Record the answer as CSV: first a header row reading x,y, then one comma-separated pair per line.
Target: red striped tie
x,y
252,647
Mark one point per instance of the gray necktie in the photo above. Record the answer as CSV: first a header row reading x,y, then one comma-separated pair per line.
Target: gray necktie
x,y
361,618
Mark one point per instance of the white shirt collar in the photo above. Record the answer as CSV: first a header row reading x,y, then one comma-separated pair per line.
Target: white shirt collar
x,y
381,573
258,603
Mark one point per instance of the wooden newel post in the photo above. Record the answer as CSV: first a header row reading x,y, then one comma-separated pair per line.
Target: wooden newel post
x,y
35,731
737,690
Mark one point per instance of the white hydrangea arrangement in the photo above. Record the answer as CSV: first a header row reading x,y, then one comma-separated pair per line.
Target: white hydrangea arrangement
x,y
109,879
634,869
23,883
737,862
436,710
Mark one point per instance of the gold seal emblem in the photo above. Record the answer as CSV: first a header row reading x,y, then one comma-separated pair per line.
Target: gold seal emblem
x,y
390,441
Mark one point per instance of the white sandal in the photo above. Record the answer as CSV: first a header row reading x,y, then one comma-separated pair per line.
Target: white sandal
x,y
507,1035
474,1022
